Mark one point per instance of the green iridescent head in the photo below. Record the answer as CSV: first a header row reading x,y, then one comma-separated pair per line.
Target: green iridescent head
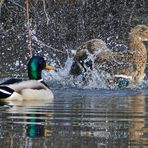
x,y
35,67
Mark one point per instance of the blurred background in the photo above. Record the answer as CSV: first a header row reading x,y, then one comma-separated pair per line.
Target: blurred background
x,y
57,25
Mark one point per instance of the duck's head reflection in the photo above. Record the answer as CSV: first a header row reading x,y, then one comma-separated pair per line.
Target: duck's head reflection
x,y
33,115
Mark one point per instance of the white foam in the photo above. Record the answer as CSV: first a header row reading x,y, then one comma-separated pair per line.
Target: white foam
x,y
124,76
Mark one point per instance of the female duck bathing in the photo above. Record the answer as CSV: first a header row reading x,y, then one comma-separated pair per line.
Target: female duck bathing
x,y
33,89
85,54
129,64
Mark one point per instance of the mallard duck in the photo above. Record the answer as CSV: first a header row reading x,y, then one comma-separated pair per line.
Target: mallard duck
x,y
128,64
33,89
85,54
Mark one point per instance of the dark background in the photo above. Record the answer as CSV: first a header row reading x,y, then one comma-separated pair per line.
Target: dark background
x,y
63,24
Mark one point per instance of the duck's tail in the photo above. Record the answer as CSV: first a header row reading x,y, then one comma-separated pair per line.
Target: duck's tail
x,y
5,92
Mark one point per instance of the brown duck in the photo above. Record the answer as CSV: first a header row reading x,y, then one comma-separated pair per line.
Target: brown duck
x,y
81,59
130,63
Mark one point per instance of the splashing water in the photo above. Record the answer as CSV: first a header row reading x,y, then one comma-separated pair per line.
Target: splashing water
x,y
93,78
88,79
61,74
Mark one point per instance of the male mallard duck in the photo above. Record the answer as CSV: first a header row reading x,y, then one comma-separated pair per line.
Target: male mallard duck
x,y
128,64
33,89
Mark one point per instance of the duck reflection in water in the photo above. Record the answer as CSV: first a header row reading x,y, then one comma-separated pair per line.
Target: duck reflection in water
x,y
34,128
32,114
106,122
138,122
84,122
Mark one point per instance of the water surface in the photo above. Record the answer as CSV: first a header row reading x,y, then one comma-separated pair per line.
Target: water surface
x,y
77,118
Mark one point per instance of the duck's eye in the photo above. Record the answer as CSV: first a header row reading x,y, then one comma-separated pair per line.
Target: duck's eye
x,y
42,63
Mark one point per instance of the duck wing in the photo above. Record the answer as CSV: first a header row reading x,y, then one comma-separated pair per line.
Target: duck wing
x,y
5,92
115,62
22,89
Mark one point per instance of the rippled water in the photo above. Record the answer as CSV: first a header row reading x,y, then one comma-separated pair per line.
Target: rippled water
x,y
78,118
91,116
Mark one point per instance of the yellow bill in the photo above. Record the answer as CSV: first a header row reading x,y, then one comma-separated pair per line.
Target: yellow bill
x,y
50,67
